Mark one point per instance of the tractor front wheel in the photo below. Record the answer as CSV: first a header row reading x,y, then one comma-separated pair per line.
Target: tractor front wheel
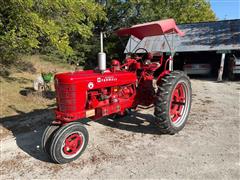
x,y
173,102
47,137
68,142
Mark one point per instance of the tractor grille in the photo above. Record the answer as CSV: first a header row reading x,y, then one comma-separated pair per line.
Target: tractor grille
x,y
66,97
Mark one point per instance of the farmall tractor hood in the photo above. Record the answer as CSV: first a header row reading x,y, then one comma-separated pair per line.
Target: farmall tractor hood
x,y
91,79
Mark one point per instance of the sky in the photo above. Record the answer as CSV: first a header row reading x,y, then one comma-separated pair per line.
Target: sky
x,y
226,9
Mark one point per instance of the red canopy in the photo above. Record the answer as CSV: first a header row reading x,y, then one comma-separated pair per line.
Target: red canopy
x,y
151,29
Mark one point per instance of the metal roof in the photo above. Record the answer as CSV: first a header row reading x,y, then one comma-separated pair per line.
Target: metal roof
x,y
204,36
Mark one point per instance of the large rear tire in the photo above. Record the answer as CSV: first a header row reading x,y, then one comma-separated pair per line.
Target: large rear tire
x,y
68,143
173,102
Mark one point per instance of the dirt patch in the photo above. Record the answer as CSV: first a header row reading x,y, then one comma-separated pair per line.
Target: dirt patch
x,y
13,164
207,101
4,133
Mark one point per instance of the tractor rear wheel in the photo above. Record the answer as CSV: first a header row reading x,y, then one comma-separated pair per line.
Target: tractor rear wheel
x,y
68,142
173,102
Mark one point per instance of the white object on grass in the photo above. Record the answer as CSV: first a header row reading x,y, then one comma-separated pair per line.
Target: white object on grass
x,y
38,82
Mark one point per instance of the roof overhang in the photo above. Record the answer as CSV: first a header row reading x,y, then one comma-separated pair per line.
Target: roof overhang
x,y
154,28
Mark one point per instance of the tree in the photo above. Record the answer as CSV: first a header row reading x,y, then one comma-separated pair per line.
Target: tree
x,y
129,12
183,11
126,13
70,29
28,25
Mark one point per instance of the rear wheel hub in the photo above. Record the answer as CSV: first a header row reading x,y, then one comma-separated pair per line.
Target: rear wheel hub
x,y
177,102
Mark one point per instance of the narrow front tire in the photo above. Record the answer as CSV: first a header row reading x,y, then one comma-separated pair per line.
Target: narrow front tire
x,y
47,137
69,142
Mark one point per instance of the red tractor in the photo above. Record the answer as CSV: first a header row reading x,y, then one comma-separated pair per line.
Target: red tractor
x,y
93,94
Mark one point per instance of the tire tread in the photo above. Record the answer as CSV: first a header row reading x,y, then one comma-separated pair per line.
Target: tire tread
x,y
163,99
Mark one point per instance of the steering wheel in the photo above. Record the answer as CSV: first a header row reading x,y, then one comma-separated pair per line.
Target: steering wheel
x,y
140,57
140,49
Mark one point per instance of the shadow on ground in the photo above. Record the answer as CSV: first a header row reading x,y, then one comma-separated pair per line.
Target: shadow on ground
x,y
28,91
28,128
135,122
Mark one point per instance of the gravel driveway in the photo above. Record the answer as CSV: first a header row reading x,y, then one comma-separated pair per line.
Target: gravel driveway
x,y
207,148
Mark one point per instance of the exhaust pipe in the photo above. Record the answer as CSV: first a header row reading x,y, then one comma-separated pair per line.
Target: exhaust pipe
x,y
101,56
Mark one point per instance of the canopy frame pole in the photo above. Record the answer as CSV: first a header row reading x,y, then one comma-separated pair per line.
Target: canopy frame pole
x,y
136,46
167,43
170,66
220,71
130,44
172,43
125,47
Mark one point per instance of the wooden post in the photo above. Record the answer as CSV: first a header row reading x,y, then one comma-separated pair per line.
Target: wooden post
x,y
220,71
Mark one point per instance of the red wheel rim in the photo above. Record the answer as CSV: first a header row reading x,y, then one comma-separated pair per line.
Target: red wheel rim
x,y
177,104
73,144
